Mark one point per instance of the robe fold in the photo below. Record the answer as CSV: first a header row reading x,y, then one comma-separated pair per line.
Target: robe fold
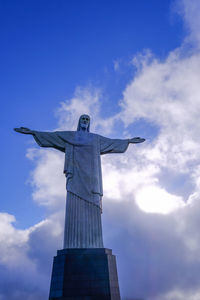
x,y
82,159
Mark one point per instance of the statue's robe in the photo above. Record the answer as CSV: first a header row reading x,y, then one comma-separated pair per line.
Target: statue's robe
x,y
84,181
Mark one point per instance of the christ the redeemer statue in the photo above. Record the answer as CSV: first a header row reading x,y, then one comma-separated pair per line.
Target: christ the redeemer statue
x,y
82,168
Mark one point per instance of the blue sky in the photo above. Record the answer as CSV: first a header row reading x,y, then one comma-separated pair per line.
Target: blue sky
x,y
48,48
134,67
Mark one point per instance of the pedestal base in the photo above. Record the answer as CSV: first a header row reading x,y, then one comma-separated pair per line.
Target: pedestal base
x,y
84,274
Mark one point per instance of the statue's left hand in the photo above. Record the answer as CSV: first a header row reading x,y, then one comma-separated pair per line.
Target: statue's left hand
x,y
136,140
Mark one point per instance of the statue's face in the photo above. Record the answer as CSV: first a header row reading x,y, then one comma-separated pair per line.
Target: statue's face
x,y
84,121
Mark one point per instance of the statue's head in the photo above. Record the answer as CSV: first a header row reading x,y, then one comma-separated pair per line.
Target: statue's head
x,y
84,123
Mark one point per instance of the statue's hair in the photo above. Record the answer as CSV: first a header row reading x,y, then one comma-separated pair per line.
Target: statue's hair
x,y
79,126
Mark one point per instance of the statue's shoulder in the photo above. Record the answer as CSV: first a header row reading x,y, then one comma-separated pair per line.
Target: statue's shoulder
x,y
94,136
66,133
73,135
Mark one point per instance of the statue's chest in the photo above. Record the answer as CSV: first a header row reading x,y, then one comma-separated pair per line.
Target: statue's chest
x,y
84,139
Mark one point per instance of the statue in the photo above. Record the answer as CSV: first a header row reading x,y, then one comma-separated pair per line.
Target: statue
x,y
82,169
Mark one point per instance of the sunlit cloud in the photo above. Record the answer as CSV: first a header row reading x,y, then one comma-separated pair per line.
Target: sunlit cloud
x,y
152,199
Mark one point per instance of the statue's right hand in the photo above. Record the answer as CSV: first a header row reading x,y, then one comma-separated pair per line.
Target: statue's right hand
x,y
23,130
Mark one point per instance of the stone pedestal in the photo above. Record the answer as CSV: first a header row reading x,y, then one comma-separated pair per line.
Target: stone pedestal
x,y
84,274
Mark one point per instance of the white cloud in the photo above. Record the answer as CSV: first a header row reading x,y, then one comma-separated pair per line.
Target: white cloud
x,y
47,179
180,295
12,241
153,199
166,93
26,257
189,10
123,175
86,100
116,65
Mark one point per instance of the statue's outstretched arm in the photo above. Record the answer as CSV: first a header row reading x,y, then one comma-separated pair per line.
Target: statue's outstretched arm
x,y
136,140
23,130
45,139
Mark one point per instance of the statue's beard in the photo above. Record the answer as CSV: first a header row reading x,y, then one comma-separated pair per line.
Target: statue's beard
x,y
84,126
